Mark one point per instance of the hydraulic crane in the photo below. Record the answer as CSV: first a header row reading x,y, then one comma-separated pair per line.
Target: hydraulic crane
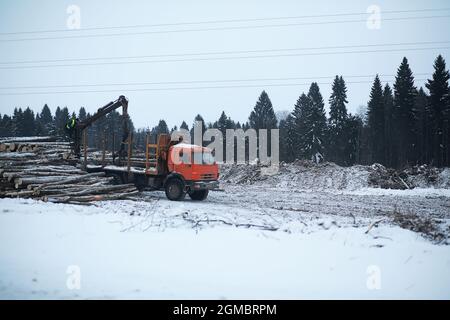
x,y
101,112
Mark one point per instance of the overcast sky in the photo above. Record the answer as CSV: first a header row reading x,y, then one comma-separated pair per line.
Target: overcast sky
x,y
148,106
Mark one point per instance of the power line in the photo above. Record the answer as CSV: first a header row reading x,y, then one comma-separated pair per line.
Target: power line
x,y
221,52
216,29
224,58
183,88
222,21
194,81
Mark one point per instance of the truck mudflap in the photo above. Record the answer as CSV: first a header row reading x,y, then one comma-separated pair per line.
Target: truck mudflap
x,y
202,185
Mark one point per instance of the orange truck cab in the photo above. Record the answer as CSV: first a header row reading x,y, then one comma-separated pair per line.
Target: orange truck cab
x,y
192,170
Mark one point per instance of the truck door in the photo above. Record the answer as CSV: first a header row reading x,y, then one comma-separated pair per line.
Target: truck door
x,y
184,165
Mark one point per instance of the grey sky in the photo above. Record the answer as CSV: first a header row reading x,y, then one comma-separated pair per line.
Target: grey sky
x,y
147,107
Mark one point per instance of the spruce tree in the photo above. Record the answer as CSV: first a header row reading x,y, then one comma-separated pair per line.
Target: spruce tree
x,y
162,127
439,113
422,125
263,115
6,127
388,101
298,135
28,122
338,136
61,119
287,139
39,127
184,126
198,118
82,114
46,115
376,124
353,128
316,124
222,123
45,121
403,115
17,121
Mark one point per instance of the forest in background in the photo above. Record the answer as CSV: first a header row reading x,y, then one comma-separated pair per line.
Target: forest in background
x,y
403,125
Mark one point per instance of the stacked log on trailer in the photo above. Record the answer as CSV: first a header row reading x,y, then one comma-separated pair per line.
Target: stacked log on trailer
x,y
99,158
45,169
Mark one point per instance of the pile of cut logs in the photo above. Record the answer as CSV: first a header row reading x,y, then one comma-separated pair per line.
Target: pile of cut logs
x,y
43,168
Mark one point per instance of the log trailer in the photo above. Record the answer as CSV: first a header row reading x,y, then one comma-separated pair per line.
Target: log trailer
x,y
175,167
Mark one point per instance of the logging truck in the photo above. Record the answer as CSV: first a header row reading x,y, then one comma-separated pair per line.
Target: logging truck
x,y
178,168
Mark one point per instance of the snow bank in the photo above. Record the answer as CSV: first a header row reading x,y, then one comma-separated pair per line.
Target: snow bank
x,y
416,192
37,247
306,175
299,175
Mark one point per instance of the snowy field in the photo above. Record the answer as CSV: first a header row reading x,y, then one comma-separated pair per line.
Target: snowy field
x,y
248,241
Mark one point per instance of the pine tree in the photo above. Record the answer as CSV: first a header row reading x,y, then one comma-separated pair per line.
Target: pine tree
x,y
338,136
376,122
439,113
403,115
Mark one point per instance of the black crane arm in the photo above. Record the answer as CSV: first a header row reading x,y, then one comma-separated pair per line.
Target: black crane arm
x,y
101,112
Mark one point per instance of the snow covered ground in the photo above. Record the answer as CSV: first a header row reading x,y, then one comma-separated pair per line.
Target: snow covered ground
x,y
249,241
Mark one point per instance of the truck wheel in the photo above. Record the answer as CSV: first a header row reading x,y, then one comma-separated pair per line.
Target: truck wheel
x,y
175,190
198,195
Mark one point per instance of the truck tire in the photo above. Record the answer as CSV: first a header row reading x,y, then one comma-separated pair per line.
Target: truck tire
x,y
198,195
175,190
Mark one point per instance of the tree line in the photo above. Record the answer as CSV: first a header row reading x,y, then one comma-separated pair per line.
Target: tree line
x,y
403,125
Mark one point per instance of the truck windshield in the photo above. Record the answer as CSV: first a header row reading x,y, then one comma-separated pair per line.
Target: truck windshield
x,y
208,158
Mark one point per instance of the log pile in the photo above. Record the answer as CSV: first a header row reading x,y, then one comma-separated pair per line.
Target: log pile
x,y
45,169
